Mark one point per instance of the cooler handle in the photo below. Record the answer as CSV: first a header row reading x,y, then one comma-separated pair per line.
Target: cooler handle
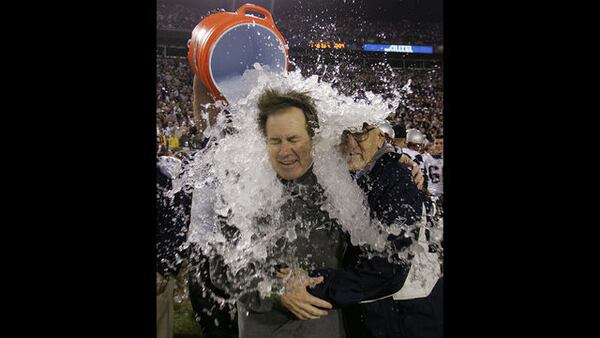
x,y
268,17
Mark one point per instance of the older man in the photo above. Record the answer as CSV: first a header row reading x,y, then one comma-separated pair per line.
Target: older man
x,y
379,299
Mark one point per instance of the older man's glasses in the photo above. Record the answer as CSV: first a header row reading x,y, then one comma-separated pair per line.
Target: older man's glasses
x,y
359,134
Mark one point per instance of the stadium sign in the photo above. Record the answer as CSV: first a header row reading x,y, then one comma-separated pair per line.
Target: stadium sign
x,y
397,48
327,45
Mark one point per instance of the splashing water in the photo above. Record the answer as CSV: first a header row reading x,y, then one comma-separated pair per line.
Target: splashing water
x,y
234,183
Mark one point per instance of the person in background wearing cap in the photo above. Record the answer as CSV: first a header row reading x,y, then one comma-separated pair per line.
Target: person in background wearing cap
x,y
170,220
378,299
422,304
434,162
390,138
415,143
173,220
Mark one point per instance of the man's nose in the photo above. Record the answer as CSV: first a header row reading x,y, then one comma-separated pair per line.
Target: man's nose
x,y
285,149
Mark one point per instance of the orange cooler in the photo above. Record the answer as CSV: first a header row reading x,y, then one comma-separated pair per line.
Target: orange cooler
x,y
225,44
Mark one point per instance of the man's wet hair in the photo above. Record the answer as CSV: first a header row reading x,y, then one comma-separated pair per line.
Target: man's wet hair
x,y
272,102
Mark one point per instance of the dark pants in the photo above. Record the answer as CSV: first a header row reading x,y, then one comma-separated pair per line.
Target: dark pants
x,y
423,317
216,322
414,318
279,323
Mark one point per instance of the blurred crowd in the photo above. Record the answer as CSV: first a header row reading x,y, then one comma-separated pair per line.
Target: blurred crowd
x,y
174,117
355,34
420,92
302,28
177,16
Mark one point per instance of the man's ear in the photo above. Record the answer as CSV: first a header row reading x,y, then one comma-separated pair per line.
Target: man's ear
x,y
380,140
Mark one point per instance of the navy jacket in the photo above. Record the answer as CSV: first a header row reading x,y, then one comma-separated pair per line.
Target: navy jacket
x,y
392,195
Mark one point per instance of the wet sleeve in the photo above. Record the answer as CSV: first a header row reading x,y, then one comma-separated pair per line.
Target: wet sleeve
x,y
370,279
242,284
239,282
221,275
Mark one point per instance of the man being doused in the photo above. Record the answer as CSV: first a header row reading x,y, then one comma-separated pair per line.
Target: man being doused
x,y
288,121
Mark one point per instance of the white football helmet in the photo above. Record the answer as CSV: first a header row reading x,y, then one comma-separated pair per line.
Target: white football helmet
x,y
386,127
415,136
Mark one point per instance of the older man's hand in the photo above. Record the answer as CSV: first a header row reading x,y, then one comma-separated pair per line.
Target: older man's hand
x,y
416,170
296,299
